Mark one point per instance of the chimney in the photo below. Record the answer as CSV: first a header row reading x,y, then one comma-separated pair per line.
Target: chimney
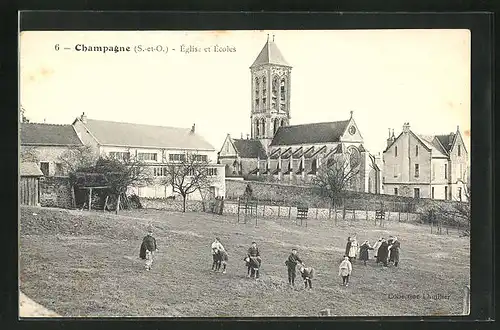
x,y
241,136
390,139
406,127
450,138
352,113
193,128
248,136
83,118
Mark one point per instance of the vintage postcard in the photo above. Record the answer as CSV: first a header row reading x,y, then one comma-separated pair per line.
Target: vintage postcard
x,y
284,173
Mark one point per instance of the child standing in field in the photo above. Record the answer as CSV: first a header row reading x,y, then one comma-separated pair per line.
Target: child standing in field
x,y
148,248
216,255
307,275
345,270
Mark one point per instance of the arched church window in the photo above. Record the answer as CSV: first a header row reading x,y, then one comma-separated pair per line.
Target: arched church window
x,y
262,127
354,156
276,125
282,122
257,128
275,86
282,89
264,87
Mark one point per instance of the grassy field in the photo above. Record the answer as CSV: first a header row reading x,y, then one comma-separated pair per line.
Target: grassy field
x,y
86,264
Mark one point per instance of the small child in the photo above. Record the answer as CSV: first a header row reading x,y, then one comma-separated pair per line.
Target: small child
x,y
307,274
345,270
148,248
223,258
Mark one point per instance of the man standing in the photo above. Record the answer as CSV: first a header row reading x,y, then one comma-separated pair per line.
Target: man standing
x,y
291,263
254,256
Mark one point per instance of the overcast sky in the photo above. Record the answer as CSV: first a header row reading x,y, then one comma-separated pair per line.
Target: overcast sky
x,y
387,77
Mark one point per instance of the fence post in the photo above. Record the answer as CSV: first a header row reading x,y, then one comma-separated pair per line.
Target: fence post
x,y
289,212
366,209
238,210
317,211
399,212
329,211
343,212
335,209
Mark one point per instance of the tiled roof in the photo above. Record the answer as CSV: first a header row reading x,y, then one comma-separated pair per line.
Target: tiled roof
x,y
446,140
249,148
270,54
430,142
310,133
48,135
139,135
29,169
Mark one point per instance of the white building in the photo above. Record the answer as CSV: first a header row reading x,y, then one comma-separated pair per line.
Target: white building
x,y
158,146
425,166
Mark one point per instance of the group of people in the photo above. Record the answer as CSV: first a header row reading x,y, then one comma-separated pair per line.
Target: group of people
x,y
386,250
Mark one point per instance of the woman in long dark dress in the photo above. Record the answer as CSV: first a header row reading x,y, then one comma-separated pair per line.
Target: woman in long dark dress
x,y
348,246
363,251
383,252
395,251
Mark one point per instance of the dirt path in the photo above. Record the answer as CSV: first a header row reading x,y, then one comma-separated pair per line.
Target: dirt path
x,y
29,308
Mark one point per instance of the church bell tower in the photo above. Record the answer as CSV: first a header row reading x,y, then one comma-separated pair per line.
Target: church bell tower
x,y
270,93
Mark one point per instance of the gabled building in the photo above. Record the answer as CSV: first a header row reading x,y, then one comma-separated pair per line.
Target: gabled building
x,y
290,153
424,166
46,143
157,146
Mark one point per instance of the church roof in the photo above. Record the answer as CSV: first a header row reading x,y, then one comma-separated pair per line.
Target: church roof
x,y
249,148
310,133
270,54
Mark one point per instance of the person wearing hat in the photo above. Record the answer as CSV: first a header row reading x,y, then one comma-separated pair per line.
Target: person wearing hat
x,y
148,248
291,264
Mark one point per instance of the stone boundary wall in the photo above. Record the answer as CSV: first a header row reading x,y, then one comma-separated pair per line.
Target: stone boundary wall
x,y
291,195
171,204
55,191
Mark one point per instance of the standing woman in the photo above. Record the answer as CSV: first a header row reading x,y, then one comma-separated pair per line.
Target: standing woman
x,y
395,251
363,251
348,246
353,251
382,252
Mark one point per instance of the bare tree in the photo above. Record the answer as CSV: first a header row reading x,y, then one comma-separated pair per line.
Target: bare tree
x,y
118,175
189,175
78,157
337,176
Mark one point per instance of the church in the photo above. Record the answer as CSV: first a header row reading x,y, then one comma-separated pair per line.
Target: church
x,y
276,151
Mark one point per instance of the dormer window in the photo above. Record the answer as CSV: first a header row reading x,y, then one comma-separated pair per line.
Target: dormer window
x,y
459,150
